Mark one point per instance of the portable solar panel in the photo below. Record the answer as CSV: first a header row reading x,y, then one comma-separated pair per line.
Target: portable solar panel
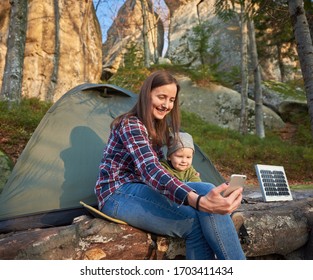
x,y
273,182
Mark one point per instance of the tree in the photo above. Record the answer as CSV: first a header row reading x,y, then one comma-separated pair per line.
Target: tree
x,y
13,70
308,7
258,97
200,46
151,27
248,10
154,33
305,49
145,33
243,125
274,34
56,55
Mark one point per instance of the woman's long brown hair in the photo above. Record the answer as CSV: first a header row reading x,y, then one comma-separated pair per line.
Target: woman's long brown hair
x,y
159,130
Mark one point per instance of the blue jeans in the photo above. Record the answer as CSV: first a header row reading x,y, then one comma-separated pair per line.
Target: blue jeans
x,y
207,236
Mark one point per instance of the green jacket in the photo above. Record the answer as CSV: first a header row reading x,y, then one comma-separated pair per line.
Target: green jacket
x,y
189,175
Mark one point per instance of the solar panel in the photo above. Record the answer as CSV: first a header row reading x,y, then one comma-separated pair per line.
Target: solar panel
x,y
273,182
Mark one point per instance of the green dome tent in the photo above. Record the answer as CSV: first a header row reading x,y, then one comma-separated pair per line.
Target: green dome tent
x,y
59,165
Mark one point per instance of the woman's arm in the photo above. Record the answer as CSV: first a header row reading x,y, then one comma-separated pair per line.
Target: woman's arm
x,y
214,202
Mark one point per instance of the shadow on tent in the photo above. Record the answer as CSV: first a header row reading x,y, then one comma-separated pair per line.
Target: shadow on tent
x,y
59,165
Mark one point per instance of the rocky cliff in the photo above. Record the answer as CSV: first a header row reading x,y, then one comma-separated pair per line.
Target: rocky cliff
x,y
63,42
126,32
224,40
62,50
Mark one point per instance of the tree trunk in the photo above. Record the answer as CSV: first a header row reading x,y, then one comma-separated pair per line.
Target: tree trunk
x,y
277,228
89,238
145,33
258,98
305,49
13,70
281,63
243,126
309,12
56,55
154,34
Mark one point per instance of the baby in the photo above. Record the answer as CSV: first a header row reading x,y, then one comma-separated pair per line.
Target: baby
x,y
179,164
179,159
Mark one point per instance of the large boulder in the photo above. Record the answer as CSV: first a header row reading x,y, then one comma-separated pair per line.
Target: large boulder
x,y
221,106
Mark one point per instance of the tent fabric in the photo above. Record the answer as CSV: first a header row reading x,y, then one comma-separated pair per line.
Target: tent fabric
x,y
59,166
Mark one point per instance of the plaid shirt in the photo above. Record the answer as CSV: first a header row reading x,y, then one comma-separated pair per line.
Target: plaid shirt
x,y
129,157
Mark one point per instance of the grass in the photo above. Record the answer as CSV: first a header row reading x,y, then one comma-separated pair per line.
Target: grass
x,y
18,124
229,151
232,152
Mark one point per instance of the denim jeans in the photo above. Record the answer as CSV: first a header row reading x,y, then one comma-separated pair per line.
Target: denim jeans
x,y
207,236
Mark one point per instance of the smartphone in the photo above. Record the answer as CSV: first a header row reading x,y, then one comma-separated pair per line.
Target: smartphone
x,y
236,181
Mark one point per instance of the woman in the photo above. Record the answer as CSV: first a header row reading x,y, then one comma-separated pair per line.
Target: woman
x,y
134,187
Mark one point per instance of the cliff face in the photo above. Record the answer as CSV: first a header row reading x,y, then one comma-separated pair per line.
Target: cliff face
x,y
62,50
224,35
224,40
184,15
63,42
127,32
175,4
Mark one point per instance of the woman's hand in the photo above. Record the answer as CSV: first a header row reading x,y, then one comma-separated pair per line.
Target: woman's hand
x,y
214,202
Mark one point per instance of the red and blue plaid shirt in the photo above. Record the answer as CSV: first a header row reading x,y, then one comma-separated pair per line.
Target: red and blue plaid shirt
x,y
129,157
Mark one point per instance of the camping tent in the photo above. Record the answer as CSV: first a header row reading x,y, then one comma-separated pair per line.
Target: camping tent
x,y
59,165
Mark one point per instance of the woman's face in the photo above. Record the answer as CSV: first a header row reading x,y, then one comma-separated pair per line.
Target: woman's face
x,y
163,98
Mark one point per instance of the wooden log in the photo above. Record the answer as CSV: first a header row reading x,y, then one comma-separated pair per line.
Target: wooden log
x,y
276,227
270,229
89,238
86,238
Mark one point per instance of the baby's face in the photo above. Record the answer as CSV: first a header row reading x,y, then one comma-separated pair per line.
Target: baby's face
x,y
181,159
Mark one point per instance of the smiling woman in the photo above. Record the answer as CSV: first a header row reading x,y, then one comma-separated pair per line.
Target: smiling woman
x,y
163,99
134,187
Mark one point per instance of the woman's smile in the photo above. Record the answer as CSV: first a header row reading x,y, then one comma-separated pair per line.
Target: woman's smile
x,y
163,99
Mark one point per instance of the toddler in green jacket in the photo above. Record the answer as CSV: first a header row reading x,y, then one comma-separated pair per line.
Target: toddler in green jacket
x,y
179,164
179,159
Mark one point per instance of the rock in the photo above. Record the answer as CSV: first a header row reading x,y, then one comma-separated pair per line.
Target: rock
x,y
224,105
288,109
185,15
173,5
125,33
164,61
63,47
